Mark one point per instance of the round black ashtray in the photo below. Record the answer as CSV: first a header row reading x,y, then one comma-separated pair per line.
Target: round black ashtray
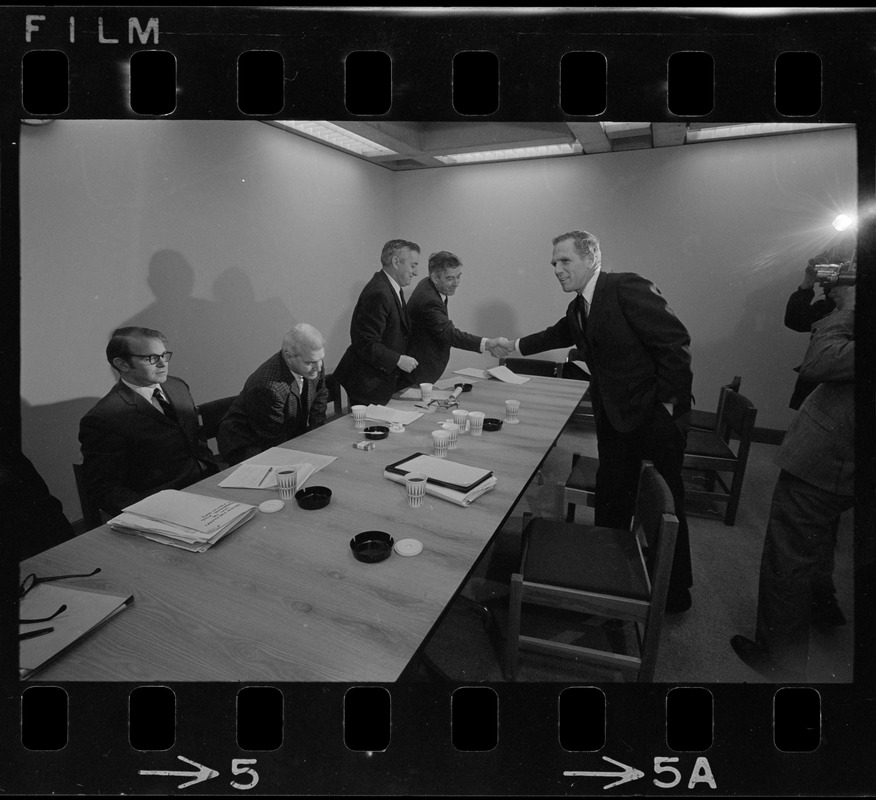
x,y
314,497
376,432
371,546
466,387
492,424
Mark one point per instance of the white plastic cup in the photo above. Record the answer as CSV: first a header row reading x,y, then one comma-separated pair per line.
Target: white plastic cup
x,y
476,421
440,442
460,417
287,481
512,409
416,486
359,415
453,429
426,392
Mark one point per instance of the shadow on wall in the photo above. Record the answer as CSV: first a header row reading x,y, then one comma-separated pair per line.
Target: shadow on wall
x,y
50,434
216,343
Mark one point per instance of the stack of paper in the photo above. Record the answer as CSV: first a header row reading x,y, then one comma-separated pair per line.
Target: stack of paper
x,y
182,519
449,480
386,414
502,373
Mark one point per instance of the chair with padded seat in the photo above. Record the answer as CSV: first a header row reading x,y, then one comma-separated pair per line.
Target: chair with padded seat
x,y
602,573
532,366
705,420
709,453
91,515
579,488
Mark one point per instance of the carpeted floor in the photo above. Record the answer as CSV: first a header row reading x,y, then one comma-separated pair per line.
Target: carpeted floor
x,y
695,645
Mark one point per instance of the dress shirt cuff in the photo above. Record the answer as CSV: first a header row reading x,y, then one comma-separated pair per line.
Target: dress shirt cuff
x,y
483,344
517,345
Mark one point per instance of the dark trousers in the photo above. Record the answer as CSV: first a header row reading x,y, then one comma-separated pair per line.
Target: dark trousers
x,y
662,442
800,541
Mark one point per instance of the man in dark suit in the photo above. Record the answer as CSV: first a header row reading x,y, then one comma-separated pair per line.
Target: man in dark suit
x,y
815,486
638,353
432,332
376,364
283,398
143,436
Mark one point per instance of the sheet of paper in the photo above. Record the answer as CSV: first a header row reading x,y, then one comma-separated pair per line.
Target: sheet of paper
x,y
386,414
581,365
195,512
472,372
262,476
505,374
441,469
449,383
414,394
282,456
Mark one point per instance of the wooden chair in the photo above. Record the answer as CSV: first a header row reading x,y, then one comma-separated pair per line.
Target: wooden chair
x,y
91,515
571,371
710,453
602,572
579,488
211,414
532,366
337,398
705,420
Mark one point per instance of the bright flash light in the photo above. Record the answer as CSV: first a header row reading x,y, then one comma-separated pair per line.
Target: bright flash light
x,y
843,221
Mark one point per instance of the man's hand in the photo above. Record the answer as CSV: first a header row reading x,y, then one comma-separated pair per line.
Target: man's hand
x,y
809,275
500,347
407,363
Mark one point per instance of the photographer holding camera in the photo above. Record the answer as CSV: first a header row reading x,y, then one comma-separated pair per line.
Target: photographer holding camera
x,y
815,486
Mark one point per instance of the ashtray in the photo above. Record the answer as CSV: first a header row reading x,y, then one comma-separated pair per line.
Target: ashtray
x,y
492,424
376,432
466,387
314,497
371,546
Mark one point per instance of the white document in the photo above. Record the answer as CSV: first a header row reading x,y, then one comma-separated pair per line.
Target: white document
x,y
472,372
283,456
415,394
195,512
386,414
262,476
454,496
505,374
440,469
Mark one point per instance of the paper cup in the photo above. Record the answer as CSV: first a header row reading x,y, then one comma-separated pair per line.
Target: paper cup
x,y
359,415
476,421
453,429
426,392
512,409
440,443
416,486
460,417
287,481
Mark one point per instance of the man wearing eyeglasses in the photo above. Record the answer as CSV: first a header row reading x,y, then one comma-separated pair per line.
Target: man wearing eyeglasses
x,y
283,398
143,436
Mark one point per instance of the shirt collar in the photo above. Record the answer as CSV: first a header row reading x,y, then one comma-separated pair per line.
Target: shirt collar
x,y
587,294
145,392
394,283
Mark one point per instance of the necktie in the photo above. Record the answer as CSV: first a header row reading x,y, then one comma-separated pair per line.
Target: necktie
x,y
401,294
582,312
446,298
166,407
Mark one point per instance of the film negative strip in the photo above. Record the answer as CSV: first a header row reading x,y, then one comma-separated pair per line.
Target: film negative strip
x,y
138,731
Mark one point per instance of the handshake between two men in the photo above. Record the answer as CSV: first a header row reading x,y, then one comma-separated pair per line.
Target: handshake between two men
x,y
499,347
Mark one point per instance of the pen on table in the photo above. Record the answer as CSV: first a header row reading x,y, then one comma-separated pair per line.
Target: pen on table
x,y
270,469
33,634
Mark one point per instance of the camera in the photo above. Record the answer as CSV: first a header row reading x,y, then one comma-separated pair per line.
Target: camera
x,y
836,274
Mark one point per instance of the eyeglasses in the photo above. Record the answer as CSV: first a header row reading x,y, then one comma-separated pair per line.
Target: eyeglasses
x,y
32,580
154,359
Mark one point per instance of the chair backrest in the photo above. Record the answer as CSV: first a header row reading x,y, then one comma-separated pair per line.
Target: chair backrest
x,y
90,510
336,396
532,366
212,413
654,516
736,417
569,369
733,386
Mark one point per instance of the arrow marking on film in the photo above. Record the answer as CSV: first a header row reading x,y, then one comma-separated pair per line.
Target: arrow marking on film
x,y
628,774
203,773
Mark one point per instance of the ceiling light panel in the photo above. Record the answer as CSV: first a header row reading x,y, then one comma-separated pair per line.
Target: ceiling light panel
x,y
540,151
337,136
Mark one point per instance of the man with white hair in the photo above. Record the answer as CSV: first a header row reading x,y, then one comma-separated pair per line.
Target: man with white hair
x,y
283,398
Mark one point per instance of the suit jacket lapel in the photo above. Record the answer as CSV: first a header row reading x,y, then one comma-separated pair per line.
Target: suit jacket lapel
x,y
402,310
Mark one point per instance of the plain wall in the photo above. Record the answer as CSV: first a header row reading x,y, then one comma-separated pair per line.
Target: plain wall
x,y
223,234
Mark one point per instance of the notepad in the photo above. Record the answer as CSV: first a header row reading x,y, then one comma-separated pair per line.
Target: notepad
x,y
441,471
261,476
459,498
86,610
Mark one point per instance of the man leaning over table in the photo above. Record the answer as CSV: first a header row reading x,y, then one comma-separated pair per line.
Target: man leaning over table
x,y
377,364
283,398
432,331
638,352
143,435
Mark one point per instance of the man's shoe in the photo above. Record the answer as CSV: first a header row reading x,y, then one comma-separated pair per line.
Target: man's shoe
x,y
678,601
827,614
758,658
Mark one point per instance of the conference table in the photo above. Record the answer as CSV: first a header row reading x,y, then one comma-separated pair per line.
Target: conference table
x,y
282,598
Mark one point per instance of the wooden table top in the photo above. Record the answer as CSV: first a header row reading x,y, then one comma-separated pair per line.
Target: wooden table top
x,y
282,598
